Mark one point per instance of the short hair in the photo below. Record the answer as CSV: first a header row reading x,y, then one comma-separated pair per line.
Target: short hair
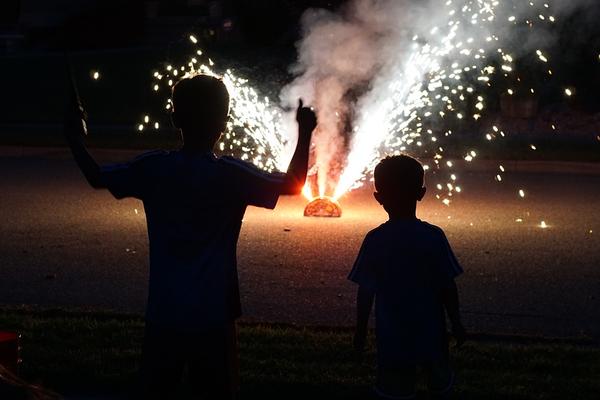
x,y
202,97
399,172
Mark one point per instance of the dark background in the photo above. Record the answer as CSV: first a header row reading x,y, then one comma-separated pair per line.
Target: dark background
x,y
127,40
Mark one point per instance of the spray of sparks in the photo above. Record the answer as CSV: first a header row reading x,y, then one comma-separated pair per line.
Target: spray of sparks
x,y
444,78
442,81
254,132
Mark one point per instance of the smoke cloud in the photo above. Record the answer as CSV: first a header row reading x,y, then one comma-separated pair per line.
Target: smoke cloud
x,y
358,68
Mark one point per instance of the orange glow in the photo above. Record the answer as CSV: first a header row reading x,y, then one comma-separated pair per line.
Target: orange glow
x,y
323,207
307,191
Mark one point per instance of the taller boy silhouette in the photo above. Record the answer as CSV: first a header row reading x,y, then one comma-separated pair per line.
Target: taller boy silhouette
x,y
194,204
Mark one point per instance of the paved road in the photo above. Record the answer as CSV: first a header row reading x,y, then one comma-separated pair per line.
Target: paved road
x,y
63,244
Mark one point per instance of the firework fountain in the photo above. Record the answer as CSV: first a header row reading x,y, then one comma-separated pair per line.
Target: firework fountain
x,y
386,77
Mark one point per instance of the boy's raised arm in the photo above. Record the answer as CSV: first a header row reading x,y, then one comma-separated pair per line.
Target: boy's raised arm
x,y
298,168
75,129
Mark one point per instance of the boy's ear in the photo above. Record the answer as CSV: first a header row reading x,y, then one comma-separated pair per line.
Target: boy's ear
x,y
223,126
378,197
217,137
421,193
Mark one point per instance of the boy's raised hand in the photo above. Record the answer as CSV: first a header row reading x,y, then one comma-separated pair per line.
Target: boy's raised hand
x,y
307,119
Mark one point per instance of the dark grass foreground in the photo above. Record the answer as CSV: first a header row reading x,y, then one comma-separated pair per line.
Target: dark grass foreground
x,y
96,353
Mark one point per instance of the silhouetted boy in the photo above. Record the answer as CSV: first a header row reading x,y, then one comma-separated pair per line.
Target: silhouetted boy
x,y
407,266
194,203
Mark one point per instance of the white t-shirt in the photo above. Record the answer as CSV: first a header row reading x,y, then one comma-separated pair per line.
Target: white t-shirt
x,y
194,208
407,263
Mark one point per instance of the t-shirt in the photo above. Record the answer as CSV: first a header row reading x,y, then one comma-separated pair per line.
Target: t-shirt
x,y
194,207
407,263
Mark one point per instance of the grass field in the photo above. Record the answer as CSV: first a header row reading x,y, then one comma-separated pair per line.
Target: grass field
x,y
90,352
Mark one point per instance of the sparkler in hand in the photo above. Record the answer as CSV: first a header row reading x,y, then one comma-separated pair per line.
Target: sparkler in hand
x,y
75,115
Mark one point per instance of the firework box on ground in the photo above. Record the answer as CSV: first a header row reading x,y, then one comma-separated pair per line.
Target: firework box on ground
x,y
323,207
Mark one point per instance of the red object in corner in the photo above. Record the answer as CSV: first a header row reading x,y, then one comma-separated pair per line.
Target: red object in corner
x,y
9,350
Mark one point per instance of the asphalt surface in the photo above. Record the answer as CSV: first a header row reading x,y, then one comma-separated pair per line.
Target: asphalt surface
x,y
64,244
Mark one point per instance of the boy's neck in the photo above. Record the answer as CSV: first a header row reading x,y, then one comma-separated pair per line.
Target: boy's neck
x,y
198,141
408,212
196,149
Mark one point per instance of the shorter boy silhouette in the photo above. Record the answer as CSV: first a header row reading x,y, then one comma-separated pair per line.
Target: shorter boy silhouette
x,y
407,266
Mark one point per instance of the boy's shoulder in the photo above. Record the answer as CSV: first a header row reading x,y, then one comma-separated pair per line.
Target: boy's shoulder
x,y
235,162
245,168
238,163
431,228
393,229
151,156
137,163
416,224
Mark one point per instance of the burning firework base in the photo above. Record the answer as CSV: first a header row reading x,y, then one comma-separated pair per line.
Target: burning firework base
x,y
323,207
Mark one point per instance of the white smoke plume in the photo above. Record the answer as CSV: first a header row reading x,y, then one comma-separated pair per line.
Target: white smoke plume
x,y
375,68
338,54
345,60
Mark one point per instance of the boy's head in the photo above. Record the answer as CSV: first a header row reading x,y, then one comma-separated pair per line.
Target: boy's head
x,y
399,182
200,109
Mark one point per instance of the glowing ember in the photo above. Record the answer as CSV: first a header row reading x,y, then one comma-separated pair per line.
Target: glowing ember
x,y
323,207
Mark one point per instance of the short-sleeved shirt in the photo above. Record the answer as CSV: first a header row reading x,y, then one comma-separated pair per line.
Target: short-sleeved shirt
x,y
194,207
407,263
